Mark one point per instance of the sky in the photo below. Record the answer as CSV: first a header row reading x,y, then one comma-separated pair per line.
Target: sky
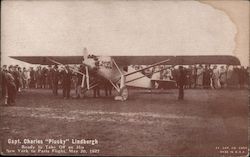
x,y
37,28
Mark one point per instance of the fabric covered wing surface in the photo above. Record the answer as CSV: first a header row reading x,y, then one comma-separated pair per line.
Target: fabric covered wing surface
x,y
176,60
46,60
135,60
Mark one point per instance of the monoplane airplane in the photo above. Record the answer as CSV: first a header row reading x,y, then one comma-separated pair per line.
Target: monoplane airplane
x,y
117,69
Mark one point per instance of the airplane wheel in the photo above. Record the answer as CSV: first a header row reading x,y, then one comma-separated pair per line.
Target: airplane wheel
x,y
124,93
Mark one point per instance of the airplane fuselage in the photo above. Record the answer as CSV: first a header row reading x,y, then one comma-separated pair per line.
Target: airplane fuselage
x,y
106,67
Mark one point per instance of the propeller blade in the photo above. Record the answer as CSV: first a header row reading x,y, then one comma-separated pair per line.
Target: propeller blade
x,y
85,54
87,75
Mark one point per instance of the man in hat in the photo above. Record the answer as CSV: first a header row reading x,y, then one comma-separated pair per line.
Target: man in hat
x,y
181,82
188,83
222,76
3,79
44,77
16,76
215,77
55,76
25,78
66,82
206,77
241,77
11,86
49,77
199,79
107,87
32,77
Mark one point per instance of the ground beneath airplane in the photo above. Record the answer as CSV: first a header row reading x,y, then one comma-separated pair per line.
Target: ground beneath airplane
x,y
205,123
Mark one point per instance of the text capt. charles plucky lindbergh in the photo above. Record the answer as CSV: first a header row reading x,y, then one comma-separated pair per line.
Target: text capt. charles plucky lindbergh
x,y
53,141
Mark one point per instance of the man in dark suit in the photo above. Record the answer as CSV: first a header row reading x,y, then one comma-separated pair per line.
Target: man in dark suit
x,y
11,86
3,79
108,87
32,78
49,77
55,76
16,76
181,82
66,82
241,76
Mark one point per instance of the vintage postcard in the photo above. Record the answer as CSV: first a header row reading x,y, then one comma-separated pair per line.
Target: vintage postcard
x,y
124,78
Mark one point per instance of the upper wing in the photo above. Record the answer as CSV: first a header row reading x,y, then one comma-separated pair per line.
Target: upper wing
x,y
136,60
48,60
177,60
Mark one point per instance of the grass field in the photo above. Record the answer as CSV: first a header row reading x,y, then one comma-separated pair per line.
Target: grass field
x,y
147,124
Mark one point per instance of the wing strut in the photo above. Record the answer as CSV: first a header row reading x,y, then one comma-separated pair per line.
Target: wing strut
x,y
116,87
64,65
123,91
146,75
123,77
153,65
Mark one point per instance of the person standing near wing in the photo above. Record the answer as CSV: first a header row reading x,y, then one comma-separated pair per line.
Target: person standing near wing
x,y
199,80
55,76
32,82
66,82
107,87
25,78
222,76
181,82
216,77
96,89
241,76
206,77
4,84
49,77
16,76
11,86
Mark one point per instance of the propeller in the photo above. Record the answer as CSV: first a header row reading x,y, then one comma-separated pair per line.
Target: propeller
x,y
85,54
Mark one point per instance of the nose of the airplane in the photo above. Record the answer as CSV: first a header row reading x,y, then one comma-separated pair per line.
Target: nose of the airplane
x,y
91,62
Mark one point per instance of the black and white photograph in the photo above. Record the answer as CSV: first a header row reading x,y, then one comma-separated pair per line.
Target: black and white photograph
x,y
124,78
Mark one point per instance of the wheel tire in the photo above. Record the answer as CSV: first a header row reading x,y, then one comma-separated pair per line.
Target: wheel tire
x,y
124,93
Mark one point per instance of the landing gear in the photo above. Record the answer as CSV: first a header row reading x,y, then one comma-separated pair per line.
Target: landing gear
x,y
123,94
122,90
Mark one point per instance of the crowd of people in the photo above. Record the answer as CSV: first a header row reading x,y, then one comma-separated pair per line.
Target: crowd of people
x,y
14,78
199,76
203,76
